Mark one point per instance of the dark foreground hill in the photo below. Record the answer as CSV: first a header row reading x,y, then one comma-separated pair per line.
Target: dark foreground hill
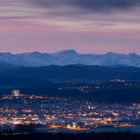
x,y
61,136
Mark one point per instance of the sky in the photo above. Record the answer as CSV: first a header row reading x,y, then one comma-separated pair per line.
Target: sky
x,y
88,26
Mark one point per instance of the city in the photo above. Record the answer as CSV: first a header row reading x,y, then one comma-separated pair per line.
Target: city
x,y
63,114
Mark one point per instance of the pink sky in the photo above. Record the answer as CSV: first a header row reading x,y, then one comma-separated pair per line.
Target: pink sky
x,y
28,27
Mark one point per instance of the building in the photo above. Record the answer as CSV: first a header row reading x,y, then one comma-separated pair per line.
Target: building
x,y
16,93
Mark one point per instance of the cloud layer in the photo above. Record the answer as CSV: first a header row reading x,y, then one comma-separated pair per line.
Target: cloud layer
x,y
107,3
72,13
89,4
84,25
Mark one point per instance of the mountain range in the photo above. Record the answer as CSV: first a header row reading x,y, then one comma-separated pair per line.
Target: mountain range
x,y
69,57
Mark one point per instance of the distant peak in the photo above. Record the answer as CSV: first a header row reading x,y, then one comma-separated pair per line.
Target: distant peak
x,y
36,52
68,51
133,54
111,53
71,51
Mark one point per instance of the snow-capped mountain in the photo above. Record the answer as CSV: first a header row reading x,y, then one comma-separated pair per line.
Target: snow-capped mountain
x,y
68,57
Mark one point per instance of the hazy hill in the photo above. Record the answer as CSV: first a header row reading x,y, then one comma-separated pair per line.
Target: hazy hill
x,y
5,66
73,72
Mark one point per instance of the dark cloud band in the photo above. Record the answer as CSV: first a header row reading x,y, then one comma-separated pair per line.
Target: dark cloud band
x,y
106,4
88,4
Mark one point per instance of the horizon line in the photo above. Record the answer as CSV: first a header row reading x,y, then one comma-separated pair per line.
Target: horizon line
x,y
59,51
